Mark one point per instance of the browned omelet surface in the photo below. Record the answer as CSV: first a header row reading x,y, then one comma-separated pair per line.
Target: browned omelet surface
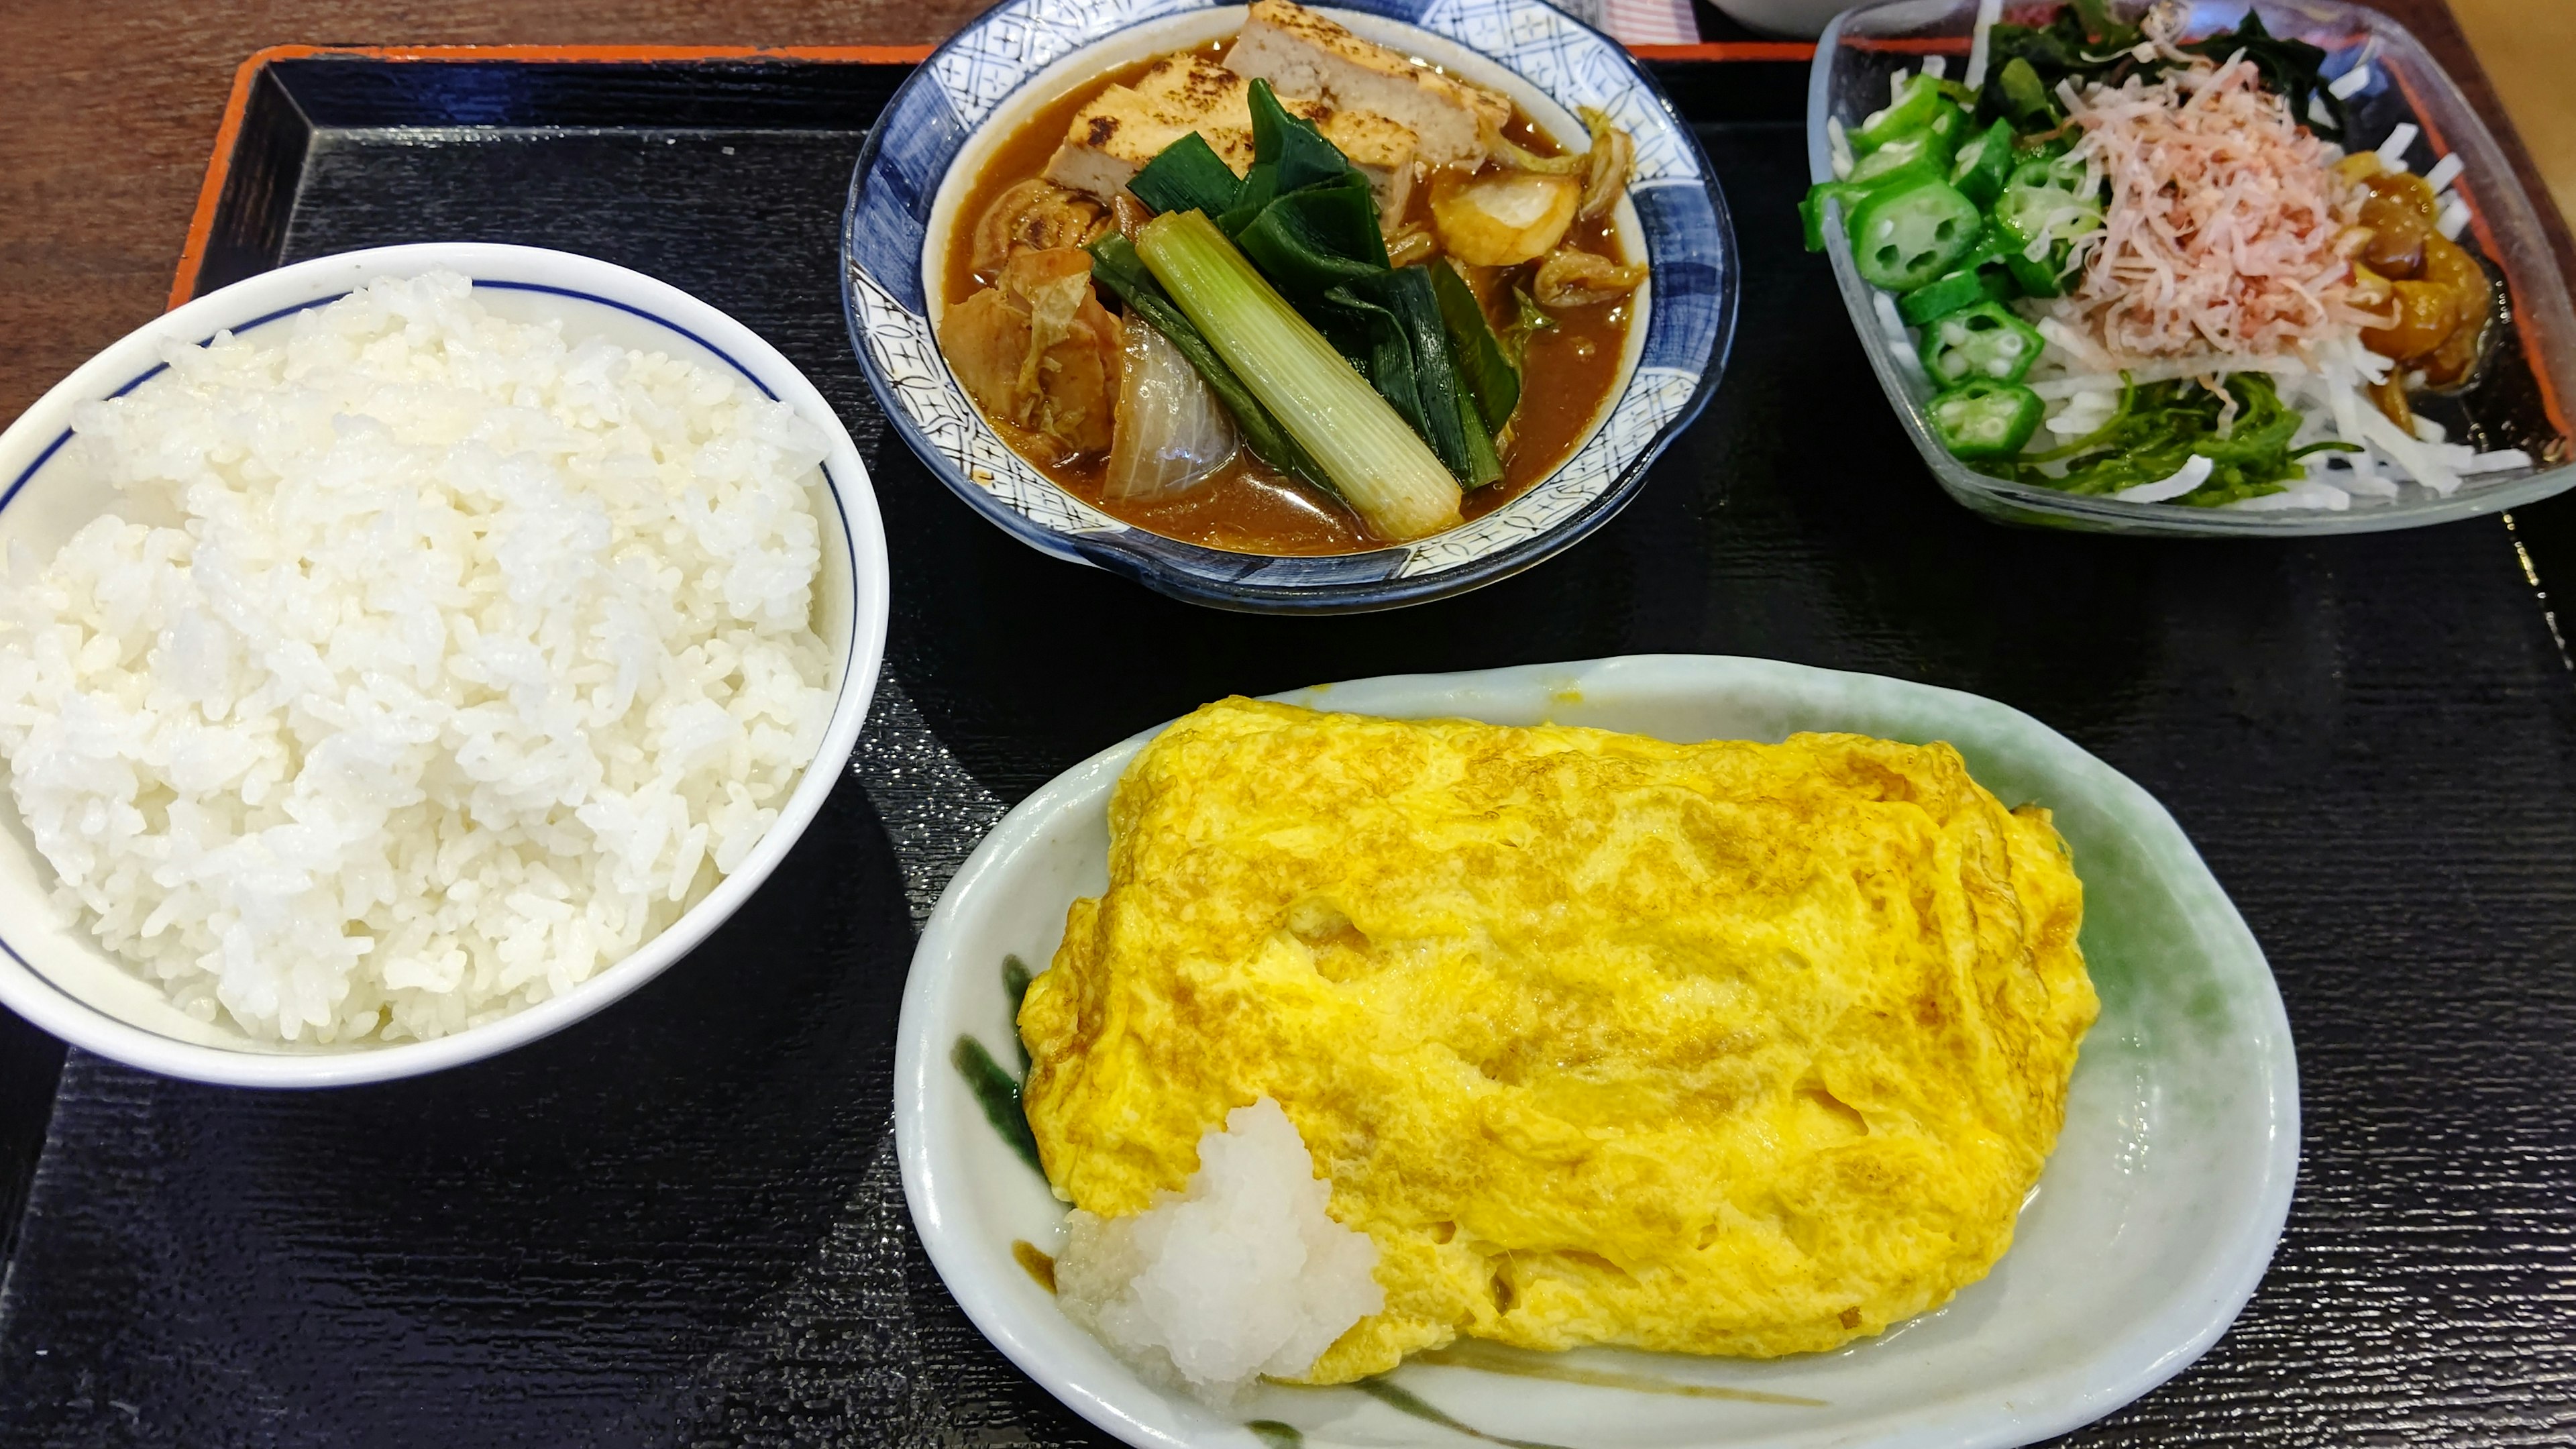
x,y
1721,1048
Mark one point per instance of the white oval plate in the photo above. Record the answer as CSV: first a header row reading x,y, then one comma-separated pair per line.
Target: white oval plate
x,y
2149,1230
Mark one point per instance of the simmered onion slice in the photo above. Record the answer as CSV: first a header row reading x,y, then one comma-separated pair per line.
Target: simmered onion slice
x,y
1503,218
1173,434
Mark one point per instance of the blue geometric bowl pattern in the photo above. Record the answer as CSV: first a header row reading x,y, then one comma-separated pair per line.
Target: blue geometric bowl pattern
x,y
1690,315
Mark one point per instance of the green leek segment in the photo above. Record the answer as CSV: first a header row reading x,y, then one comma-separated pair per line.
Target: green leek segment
x,y
1381,467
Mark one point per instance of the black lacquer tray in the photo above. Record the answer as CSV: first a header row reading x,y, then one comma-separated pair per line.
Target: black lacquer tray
x,y
680,1222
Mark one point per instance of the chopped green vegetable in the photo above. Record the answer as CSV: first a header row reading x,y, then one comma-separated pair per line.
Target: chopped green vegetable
x,y
1956,291
1291,143
1483,463
1406,350
1313,239
2028,213
1984,418
1186,175
1115,265
1290,155
2098,19
2096,16
1905,236
2291,68
2084,44
1529,319
1981,166
1811,208
1920,151
1913,111
1260,188
1984,341
1381,467
1373,339
2045,277
2157,429
2051,171
2023,95
2035,224
1490,377
1304,213
1811,211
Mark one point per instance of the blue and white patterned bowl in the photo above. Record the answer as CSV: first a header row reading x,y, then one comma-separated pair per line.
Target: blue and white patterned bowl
x,y
979,87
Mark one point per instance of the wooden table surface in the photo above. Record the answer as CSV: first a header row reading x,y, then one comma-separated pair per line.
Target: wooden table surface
x,y
113,108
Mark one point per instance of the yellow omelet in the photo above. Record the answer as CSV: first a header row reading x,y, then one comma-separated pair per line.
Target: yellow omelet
x,y
1722,1048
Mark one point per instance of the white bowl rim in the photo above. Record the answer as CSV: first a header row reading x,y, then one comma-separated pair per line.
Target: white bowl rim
x,y
2106,1386
33,437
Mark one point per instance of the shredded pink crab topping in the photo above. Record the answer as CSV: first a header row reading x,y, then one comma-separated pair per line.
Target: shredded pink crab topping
x,y
2227,225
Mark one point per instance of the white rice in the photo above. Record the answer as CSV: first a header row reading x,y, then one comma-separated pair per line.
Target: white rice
x,y
1243,1274
432,666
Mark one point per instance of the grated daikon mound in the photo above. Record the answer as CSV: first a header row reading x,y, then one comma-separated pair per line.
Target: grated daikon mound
x,y
428,666
1241,1275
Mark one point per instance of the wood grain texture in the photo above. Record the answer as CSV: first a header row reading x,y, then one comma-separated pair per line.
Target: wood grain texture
x,y
113,106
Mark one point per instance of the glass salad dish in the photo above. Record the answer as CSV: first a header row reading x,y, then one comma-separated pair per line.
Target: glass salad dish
x,y
2400,103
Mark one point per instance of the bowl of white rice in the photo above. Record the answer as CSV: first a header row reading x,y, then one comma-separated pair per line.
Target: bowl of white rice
x,y
406,653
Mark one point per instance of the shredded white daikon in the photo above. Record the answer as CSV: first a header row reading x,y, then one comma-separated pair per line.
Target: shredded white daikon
x,y
1989,12
2194,472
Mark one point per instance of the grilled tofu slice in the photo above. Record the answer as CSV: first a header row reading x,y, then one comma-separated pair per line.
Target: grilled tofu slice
x,y
1303,54
1112,138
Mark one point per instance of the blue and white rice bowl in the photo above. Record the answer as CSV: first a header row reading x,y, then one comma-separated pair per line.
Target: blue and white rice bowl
x,y
984,84
53,970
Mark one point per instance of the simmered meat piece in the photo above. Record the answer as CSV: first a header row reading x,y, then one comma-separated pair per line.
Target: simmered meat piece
x,y
1035,216
1571,278
1036,349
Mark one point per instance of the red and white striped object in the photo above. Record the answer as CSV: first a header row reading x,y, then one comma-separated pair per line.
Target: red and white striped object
x,y
1650,22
